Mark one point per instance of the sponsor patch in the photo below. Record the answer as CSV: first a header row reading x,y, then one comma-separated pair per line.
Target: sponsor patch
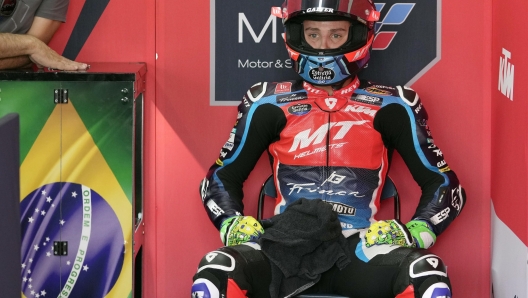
x,y
231,137
360,109
384,87
283,87
375,90
440,216
457,198
330,102
229,146
300,109
343,209
320,9
214,208
322,74
445,169
291,97
373,100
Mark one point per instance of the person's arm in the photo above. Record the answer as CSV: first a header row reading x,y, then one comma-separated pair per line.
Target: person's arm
x,y
257,126
19,50
14,50
404,127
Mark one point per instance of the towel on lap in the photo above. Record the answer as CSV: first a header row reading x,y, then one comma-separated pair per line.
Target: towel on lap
x,y
301,243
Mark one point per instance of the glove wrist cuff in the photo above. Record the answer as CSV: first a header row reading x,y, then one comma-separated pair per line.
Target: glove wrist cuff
x,y
422,233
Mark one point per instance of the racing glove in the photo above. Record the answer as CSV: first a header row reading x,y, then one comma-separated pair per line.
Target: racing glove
x,y
391,232
422,233
240,229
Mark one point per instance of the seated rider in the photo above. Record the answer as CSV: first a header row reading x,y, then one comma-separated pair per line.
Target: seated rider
x,y
330,138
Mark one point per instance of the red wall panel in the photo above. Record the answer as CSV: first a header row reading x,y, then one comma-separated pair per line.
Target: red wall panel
x,y
509,123
509,150
458,102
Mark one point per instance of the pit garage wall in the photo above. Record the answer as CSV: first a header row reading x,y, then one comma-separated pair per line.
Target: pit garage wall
x,y
191,133
509,150
184,133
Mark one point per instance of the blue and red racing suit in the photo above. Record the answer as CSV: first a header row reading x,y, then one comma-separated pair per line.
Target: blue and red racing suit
x,y
336,148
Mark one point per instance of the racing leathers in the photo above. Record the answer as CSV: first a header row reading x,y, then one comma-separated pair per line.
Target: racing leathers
x,y
336,148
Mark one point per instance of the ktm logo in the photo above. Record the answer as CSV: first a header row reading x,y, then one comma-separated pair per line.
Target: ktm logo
x,y
360,109
506,74
304,139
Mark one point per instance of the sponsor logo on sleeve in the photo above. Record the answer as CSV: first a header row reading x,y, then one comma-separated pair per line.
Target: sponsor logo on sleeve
x,y
375,90
214,208
384,87
373,100
283,87
457,198
440,216
229,146
445,169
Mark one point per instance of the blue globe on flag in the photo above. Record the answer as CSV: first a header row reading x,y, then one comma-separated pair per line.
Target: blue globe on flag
x,y
71,213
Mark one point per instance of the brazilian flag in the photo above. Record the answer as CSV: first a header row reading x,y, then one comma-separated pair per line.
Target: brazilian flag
x,y
76,189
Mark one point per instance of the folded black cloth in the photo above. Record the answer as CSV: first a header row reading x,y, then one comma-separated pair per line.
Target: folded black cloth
x,y
301,243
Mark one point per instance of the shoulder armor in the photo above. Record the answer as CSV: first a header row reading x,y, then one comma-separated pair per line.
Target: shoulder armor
x,y
257,91
411,98
408,95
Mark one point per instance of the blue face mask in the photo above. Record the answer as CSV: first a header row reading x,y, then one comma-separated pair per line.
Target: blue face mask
x,y
327,70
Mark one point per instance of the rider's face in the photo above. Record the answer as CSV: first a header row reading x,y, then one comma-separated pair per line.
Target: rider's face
x,y
323,35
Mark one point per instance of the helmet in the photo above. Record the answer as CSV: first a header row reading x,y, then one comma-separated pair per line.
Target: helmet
x,y
328,66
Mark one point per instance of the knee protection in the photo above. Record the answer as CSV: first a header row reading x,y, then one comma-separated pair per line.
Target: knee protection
x,y
211,279
224,272
205,288
423,275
